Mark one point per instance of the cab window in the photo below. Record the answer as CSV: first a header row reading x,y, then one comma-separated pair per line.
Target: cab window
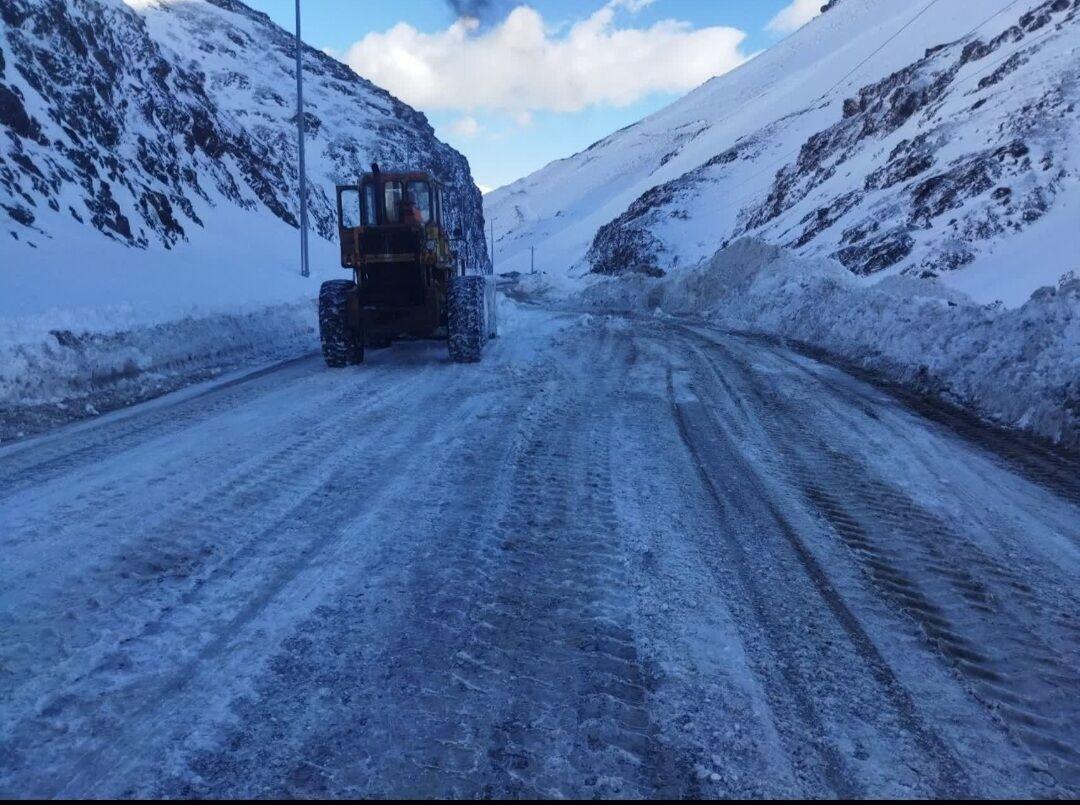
x,y
350,208
421,196
394,193
370,214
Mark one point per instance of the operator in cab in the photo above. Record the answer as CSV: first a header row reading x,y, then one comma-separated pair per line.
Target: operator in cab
x,y
410,211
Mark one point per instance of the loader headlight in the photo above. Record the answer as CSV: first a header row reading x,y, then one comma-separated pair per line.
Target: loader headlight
x,y
431,245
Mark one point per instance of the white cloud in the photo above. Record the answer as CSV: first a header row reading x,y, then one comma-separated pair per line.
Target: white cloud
x,y
467,126
633,6
522,65
484,189
795,15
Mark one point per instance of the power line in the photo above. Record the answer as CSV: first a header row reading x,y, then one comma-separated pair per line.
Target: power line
x,y
995,14
878,50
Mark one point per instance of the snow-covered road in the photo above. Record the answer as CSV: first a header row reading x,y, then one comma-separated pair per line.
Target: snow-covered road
x,y
622,557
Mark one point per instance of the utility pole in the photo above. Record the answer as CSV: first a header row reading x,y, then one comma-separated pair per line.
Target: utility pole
x,y
492,239
532,259
305,270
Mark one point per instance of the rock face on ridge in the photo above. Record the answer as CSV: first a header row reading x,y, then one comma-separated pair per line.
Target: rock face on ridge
x,y
145,121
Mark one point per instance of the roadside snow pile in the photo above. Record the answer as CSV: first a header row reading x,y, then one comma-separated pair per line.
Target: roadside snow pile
x,y
49,376
1018,367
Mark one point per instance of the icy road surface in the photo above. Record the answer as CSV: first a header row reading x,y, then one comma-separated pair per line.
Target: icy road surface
x,y
620,558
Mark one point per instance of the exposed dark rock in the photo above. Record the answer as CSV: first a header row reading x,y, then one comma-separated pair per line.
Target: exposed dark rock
x,y
107,216
899,177
155,203
824,217
907,160
148,137
1009,66
877,253
13,115
917,92
19,214
626,244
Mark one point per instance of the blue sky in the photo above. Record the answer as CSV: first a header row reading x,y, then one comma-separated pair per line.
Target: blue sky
x,y
520,87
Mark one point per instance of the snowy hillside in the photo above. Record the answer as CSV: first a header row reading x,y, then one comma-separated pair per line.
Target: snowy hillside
x,y
149,160
934,139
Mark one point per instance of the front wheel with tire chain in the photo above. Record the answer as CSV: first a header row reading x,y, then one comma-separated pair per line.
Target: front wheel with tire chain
x,y
342,344
465,318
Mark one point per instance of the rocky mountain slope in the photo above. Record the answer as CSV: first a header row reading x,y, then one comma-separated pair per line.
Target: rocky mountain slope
x,y
932,140
149,146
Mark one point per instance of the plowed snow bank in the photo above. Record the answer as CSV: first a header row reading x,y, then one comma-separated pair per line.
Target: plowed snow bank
x,y
1017,367
50,375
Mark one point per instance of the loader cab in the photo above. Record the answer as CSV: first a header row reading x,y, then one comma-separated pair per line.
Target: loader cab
x,y
391,217
378,201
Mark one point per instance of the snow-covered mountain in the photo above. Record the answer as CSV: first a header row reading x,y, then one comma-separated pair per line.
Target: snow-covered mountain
x,y
149,151
932,139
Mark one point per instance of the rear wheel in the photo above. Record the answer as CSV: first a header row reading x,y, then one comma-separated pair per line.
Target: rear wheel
x,y
342,343
465,318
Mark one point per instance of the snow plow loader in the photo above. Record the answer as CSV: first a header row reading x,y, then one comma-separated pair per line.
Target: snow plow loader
x,y
407,281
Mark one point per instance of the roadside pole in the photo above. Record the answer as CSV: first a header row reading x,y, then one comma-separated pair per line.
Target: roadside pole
x,y
305,270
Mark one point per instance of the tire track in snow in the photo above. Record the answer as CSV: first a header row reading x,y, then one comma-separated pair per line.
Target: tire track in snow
x,y
542,692
173,553
460,695
297,515
29,464
940,772
973,611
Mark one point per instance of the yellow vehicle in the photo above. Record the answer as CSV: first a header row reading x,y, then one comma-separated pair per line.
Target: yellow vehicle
x,y
407,281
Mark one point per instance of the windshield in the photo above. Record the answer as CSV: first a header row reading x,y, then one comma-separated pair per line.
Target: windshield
x,y
394,194
370,216
420,193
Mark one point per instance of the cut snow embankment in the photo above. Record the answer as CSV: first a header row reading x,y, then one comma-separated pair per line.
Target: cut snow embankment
x,y
1019,368
88,324
50,374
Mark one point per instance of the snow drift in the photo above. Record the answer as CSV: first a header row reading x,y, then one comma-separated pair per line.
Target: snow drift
x,y
1018,367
